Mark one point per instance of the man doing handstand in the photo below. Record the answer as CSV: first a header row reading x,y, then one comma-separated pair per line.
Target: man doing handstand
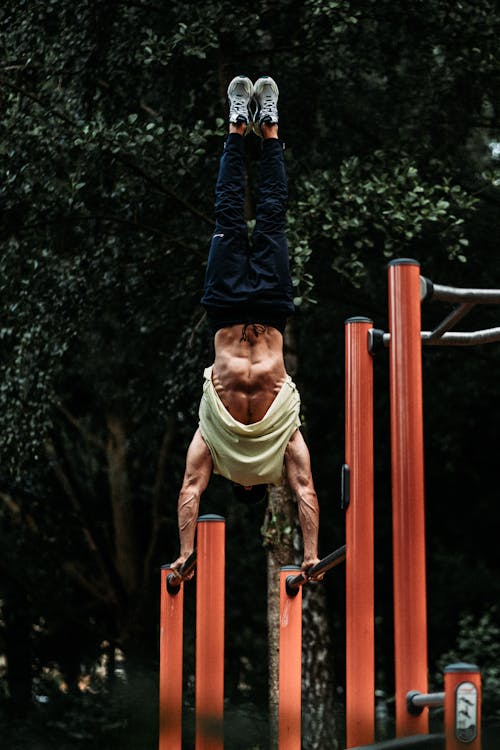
x,y
249,412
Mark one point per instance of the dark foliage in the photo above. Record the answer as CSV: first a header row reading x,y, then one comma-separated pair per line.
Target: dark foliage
x,y
111,122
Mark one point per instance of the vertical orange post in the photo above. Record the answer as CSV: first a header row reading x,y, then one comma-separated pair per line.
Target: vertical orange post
x,y
408,516
462,706
171,655
209,692
360,639
290,664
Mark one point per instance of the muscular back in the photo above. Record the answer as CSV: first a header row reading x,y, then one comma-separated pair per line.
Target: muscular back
x,y
248,369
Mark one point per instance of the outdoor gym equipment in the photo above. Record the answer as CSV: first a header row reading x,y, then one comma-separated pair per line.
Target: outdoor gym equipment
x,y
461,697
209,689
406,290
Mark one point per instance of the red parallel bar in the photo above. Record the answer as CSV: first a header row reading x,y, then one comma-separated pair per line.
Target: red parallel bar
x,y
290,664
360,640
462,707
209,692
171,656
408,512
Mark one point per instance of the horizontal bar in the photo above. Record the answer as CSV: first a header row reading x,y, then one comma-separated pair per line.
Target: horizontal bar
x,y
428,699
462,338
416,701
173,583
189,565
431,291
293,583
459,338
428,741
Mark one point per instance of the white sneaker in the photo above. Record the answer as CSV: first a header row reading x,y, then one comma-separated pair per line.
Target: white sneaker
x,y
265,93
240,94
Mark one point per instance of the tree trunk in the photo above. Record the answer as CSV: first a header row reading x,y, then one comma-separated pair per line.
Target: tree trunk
x,y
17,632
126,551
278,540
283,541
318,696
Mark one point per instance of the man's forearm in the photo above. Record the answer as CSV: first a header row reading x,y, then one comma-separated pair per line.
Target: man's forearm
x,y
308,510
189,502
196,476
298,467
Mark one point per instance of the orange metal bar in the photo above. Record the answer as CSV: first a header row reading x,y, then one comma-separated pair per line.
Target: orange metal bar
x,y
360,640
209,692
408,514
290,664
171,656
462,707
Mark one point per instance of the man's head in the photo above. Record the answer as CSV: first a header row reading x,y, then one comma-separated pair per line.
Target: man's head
x,y
251,495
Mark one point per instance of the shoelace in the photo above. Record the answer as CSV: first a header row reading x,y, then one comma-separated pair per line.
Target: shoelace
x,y
239,103
268,107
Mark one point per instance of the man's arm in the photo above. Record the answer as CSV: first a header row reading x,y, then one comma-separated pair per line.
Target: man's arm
x,y
298,469
196,478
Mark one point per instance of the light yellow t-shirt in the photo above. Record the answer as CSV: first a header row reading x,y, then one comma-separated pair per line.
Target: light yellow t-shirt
x,y
249,453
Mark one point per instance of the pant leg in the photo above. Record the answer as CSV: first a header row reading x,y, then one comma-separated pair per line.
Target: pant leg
x,y
230,187
272,199
227,267
269,258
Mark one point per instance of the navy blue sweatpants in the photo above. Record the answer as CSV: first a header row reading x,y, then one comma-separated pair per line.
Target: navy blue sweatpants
x,y
249,282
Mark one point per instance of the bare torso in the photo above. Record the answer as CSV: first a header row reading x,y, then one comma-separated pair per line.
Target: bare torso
x,y
248,374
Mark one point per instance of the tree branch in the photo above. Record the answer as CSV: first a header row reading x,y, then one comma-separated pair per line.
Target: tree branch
x,y
89,436
72,569
17,512
158,492
105,566
119,157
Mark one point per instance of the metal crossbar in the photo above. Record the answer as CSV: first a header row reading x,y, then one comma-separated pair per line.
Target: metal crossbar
x,y
440,335
431,291
429,741
293,583
467,299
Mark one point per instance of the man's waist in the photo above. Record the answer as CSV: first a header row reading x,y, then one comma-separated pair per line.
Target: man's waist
x,y
233,316
243,337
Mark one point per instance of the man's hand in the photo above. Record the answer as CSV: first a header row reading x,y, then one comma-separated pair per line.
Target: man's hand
x,y
177,565
307,565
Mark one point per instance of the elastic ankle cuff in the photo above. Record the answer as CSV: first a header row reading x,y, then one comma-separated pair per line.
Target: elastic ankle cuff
x,y
236,140
274,141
